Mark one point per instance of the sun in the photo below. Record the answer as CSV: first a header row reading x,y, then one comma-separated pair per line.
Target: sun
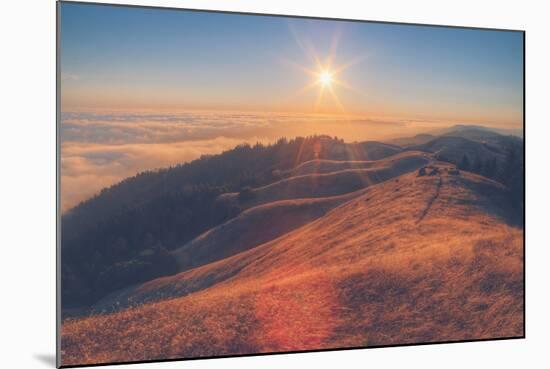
x,y
325,78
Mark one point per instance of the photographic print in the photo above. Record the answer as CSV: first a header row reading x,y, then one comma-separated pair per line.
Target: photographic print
x,y
239,184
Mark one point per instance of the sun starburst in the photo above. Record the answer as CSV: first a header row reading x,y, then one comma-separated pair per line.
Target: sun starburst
x,y
325,76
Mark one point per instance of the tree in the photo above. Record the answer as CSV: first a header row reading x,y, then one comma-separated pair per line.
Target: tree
x,y
120,247
477,167
510,166
464,163
490,168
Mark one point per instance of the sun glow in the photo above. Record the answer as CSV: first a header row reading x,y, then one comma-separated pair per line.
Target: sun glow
x,y
325,78
326,75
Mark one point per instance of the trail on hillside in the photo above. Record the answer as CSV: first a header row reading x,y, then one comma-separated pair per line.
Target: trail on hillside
x,y
360,275
431,200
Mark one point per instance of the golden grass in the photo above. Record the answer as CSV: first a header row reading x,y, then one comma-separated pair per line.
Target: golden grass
x,y
367,273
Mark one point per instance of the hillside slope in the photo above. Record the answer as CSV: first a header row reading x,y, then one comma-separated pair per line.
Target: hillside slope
x,y
320,166
253,227
328,178
415,259
274,217
418,139
166,208
454,148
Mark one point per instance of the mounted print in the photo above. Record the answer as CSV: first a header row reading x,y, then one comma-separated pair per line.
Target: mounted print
x,y
242,184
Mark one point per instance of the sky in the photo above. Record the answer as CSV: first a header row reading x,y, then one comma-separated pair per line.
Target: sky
x,y
145,88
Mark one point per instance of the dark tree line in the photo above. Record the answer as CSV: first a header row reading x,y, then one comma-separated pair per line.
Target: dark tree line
x,y
488,168
508,171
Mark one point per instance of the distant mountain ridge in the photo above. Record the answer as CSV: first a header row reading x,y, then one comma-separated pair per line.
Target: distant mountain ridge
x,y
501,131
471,132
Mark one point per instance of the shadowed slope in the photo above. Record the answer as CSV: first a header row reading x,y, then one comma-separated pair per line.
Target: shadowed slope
x,y
331,183
409,159
320,166
265,222
454,148
253,227
104,237
415,259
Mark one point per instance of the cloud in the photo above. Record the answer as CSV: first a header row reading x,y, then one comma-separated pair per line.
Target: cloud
x,y
101,149
117,128
89,167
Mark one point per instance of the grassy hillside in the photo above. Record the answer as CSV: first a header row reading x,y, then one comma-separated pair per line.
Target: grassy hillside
x,y
276,215
253,227
117,238
124,235
412,259
319,166
454,148
326,178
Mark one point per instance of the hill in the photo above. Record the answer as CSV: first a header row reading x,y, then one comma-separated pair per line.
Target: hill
x,y
494,141
485,152
454,148
326,166
289,204
412,259
329,178
128,229
253,227
418,139
515,133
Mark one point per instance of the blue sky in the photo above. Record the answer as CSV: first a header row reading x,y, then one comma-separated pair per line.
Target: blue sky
x,y
121,57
